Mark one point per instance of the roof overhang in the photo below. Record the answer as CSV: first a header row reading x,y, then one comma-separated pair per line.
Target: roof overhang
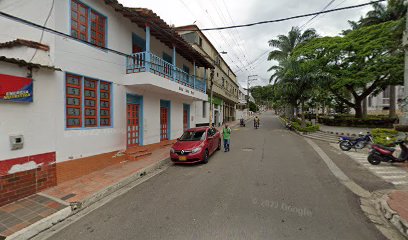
x,y
161,30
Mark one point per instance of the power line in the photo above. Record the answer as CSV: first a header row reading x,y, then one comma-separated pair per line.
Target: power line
x,y
315,16
42,32
294,17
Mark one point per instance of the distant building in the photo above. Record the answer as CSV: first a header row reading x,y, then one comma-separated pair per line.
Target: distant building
x,y
225,88
381,102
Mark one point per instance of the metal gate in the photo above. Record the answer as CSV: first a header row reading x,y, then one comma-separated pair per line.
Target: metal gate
x,y
164,119
133,127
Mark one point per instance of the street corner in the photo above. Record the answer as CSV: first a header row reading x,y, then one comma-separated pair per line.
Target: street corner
x,y
394,207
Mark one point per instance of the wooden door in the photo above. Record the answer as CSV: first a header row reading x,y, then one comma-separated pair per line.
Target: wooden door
x,y
185,119
164,117
133,126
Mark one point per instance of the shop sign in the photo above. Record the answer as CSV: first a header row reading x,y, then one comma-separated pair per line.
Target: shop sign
x,y
16,89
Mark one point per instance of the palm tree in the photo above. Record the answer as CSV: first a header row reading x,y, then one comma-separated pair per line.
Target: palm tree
x,y
394,10
286,44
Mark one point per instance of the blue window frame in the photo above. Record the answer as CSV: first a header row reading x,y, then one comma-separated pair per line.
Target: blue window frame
x,y
88,102
87,24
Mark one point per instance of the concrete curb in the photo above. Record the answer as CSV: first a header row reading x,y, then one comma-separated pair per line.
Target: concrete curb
x,y
61,215
393,216
41,225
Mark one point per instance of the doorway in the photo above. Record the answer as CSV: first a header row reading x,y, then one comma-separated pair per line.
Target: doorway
x,y
134,120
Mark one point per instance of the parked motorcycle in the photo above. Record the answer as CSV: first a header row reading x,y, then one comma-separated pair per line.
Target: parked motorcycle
x,y
242,122
347,143
380,153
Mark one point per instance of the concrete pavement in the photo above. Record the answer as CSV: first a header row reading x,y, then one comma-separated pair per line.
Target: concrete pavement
x,y
272,185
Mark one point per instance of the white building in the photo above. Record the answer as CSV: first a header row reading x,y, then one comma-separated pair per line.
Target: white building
x,y
104,78
376,104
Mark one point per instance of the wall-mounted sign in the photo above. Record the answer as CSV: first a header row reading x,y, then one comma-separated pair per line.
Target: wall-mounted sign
x,y
16,89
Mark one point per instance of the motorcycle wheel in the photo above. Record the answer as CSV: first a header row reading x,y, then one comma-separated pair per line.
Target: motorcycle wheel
x,y
360,145
345,146
374,159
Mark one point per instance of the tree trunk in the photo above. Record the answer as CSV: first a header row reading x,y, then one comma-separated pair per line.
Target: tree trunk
x,y
365,107
358,108
302,114
393,111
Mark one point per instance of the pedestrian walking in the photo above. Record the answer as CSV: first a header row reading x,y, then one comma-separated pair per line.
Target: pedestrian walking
x,y
226,135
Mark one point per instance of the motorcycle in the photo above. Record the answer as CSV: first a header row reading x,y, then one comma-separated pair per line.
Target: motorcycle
x,y
289,126
242,122
380,153
256,124
347,143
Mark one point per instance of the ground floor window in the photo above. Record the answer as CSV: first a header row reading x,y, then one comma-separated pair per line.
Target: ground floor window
x,y
88,102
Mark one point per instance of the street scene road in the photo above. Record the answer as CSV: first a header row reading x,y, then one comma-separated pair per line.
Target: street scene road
x,y
271,185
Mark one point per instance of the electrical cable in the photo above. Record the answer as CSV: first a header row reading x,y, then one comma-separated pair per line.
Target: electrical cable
x,y
315,16
42,33
293,17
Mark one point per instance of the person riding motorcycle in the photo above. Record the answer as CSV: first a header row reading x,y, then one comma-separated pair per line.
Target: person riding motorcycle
x,y
256,121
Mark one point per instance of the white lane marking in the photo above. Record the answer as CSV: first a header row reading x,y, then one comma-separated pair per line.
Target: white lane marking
x,y
383,168
395,176
390,172
400,182
337,172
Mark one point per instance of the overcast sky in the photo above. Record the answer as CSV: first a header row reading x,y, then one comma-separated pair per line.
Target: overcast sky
x,y
245,45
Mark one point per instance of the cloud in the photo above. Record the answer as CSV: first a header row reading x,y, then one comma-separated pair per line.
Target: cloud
x,y
246,44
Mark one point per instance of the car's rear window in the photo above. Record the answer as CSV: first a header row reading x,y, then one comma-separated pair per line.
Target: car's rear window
x,y
193,136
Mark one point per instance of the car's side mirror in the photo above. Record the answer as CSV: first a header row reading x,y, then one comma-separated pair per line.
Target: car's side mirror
x,y
178,139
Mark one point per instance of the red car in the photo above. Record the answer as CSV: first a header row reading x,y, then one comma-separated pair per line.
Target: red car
x,y
196,145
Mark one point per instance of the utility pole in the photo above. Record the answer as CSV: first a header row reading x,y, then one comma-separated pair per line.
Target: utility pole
x,y
248,82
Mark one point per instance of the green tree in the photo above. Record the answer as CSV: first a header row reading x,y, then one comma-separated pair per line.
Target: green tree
x,y
360,63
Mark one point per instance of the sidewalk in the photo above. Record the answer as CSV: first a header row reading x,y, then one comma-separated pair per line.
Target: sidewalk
x,y
394,206
27,217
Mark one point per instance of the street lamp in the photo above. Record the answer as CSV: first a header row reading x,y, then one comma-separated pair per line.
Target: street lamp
x,y
248,82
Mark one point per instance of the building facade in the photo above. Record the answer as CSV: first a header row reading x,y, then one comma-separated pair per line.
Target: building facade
x,y
225,86
101,78
380,103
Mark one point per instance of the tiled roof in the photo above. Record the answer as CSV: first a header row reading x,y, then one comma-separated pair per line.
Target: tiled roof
x,y
21,62
27,43
161,30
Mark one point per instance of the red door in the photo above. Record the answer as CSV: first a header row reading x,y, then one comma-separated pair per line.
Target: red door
x,y
185,120
132,125
164,123
137,59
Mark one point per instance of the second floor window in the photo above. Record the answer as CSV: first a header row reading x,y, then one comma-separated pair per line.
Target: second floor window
x,y
87,25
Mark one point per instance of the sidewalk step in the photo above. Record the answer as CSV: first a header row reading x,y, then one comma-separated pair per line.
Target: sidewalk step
x,y
321,138
136,156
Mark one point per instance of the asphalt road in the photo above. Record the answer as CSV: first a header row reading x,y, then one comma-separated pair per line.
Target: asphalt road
x,y
271,185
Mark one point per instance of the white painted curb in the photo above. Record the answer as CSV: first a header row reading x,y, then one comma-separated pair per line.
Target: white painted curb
x,y
41,225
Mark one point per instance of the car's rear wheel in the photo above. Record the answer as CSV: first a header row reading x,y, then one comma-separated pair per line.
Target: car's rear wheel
x,y
205,157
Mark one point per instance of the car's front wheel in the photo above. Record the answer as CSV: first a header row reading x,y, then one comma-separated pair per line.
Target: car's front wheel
x,y
205,157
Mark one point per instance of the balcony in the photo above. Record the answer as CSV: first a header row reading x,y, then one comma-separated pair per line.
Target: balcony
x,y
148,62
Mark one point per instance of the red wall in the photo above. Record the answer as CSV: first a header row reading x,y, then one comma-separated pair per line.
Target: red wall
x,y
22,184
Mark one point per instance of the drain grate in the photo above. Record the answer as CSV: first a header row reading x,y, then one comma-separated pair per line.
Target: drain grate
x,y
247,149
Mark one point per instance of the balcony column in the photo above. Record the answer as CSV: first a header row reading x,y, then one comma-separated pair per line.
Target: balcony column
x,y
194,72
174,63
205,80
147,57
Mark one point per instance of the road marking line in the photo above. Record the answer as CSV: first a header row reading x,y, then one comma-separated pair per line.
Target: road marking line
x,y
394,177
383,168
390,172
400,182
337,172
